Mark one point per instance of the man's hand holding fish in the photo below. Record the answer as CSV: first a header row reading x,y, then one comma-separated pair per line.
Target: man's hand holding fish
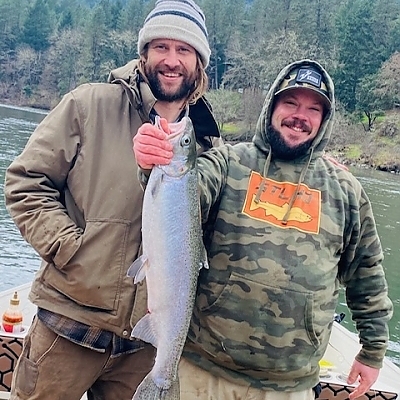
x,y
152,144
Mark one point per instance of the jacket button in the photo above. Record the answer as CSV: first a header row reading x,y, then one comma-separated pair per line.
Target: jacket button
x,y
125,332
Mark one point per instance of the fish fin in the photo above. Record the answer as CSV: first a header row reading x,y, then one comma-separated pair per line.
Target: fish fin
x,y
144,330
137,270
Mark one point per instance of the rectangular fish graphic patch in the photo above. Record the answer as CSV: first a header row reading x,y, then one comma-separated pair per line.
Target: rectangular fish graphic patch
x,y
305,214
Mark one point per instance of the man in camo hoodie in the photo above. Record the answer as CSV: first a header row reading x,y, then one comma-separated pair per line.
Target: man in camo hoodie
x,y
286,228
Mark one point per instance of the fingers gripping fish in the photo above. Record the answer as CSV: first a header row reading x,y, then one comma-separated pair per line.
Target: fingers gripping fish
x,y
173,253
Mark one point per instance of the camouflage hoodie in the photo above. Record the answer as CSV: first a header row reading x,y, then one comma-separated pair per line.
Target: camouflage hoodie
x,y
265,308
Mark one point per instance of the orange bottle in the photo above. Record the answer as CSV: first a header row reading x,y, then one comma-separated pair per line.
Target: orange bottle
x,y
12,317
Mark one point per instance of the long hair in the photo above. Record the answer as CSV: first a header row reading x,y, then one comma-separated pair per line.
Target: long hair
x,y
200,84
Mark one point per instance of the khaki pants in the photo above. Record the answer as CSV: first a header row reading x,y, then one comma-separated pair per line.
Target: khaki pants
x,y
201,385
53,368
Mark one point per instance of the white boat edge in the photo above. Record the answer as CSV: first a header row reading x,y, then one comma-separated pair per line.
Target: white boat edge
x,y
335,365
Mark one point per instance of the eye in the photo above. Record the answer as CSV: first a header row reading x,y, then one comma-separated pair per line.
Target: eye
x,y
159,46
186,140
184,50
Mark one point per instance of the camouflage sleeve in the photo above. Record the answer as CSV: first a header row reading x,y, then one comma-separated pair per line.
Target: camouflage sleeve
x,y
366,288
212,171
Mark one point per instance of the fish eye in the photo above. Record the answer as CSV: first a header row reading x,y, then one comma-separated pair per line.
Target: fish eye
x,y
186,140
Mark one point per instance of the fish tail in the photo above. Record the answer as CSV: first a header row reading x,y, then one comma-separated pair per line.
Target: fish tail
x,y
148,390
173,393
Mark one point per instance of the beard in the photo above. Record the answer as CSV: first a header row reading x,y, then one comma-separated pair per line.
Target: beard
x,y
281,150
161,94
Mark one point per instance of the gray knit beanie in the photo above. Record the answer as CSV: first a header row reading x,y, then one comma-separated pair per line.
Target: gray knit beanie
x,y
180,20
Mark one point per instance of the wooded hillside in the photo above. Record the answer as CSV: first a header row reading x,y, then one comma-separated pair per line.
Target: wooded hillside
x,y
48,47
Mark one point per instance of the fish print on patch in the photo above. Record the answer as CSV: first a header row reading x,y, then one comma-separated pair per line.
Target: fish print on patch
x,y
305,214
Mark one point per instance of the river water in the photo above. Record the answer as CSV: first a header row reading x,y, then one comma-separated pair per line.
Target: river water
x,y
18,262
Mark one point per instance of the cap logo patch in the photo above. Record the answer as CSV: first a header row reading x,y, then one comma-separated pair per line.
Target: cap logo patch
x,y
309,76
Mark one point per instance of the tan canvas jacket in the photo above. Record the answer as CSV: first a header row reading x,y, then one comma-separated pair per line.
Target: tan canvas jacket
x,y
75,196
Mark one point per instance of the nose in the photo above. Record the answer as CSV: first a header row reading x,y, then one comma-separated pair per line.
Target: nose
x,y
301,112
171,58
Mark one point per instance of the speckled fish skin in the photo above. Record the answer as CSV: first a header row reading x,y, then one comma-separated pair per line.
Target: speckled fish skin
x,y
173,253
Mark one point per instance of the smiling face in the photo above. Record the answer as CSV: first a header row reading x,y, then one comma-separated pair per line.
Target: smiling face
x,y
295,121
297,115
170,67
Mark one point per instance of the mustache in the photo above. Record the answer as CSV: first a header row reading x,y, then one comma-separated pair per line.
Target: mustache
x,y
296,123
175,70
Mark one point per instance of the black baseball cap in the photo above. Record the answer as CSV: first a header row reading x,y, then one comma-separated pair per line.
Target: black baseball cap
x,y
307,77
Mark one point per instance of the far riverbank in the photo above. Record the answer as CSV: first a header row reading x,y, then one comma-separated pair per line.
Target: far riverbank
x,y
350,144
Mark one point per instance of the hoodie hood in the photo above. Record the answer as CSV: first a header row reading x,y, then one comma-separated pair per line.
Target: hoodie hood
x,y
321,139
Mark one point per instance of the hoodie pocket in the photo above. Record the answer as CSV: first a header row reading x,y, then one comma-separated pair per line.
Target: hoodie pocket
x,y
93,276
257,327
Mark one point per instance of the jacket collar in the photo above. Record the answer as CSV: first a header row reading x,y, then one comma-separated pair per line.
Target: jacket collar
x,y
143,100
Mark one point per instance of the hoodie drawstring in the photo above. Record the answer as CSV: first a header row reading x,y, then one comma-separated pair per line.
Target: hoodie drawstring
x,y
265,173
293,198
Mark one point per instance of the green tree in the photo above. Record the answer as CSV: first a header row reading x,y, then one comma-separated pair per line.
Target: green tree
x,y
11,15
315,27
67,21
395,34
70,14
115,15
223,20
38,26
112,11
386,28
265,17
134,14
368,103
359,54
96,48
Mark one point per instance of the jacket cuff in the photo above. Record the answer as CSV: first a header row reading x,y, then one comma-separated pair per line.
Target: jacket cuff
x,y
371,357
143,176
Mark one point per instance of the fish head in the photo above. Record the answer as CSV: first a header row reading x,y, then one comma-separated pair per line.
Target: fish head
x,y
183,140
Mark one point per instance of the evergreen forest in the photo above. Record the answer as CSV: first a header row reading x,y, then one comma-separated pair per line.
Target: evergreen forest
x,y
48,47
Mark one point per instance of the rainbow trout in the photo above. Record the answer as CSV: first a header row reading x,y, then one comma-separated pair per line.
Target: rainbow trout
x,y
173,253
